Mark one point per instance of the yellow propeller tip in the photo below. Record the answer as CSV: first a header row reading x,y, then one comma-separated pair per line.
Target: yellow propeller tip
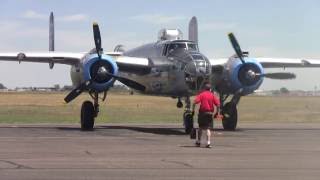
x,y
95,23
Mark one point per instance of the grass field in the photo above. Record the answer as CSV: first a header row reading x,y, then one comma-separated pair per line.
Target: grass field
x,y
122,108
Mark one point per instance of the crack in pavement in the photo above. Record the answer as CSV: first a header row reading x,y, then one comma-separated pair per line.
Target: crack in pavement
x,y
178,162
17,166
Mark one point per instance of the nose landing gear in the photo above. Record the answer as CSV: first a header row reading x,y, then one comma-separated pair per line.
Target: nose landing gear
x,y
87,116
89,111
179,103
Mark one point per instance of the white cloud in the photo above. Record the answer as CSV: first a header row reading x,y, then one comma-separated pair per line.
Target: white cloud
x,y
73,18
213,26
257,51
30,14
157,18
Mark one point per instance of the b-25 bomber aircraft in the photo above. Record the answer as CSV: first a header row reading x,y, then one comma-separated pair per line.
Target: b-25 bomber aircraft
x,y
171,66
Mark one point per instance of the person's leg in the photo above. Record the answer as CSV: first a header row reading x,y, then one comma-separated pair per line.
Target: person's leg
x,y
208,136
208,130
198,141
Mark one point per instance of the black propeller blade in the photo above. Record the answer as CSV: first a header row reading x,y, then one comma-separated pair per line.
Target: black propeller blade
x,y
76,92
97,41
279,75
97,38
128,82
236,46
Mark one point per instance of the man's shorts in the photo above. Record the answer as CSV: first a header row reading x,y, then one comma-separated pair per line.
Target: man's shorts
x,y
205,120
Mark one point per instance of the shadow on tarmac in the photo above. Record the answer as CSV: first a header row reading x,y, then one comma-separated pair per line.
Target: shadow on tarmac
x,y
159,131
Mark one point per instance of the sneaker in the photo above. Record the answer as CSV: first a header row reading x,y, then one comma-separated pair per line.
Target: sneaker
x,y
197,144
208,146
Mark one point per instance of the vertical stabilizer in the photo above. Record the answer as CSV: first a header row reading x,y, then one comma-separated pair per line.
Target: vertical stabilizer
x,y
193,29
51,32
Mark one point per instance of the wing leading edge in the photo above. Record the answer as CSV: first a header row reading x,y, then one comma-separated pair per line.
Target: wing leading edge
x,y
43,57
276,62
126,64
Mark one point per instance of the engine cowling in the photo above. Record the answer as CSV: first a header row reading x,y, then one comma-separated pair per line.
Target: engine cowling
x,y
242,78
95,69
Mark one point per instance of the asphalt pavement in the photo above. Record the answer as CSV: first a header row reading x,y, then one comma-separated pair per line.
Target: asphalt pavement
x,y
254,151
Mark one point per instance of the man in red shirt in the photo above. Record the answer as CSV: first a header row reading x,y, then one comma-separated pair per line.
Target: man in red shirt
x,y
209,104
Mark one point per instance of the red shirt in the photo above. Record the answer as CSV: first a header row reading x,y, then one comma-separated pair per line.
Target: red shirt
x,y
207,101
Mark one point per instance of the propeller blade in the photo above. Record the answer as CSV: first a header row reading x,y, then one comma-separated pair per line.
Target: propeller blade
x,y
236,46
97,38
280,75
128,82
131,84
76,92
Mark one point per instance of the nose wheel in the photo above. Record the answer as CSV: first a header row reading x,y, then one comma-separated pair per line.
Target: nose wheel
x,y
179,103
89,111
87,116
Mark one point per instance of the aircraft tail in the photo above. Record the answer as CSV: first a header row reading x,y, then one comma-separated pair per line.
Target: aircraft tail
x,y
193,29
51,32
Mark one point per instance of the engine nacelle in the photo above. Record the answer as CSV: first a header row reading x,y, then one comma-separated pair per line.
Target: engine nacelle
x,y
92,65
241,78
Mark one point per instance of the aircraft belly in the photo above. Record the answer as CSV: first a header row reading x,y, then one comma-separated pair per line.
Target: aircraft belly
x,y
162,83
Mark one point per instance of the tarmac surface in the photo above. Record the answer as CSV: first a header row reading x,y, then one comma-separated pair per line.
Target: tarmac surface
x,y
254,151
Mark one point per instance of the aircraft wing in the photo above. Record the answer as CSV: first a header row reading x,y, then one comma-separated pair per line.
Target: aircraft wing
x,y
43,57
275,62
125,63
288,62
133,64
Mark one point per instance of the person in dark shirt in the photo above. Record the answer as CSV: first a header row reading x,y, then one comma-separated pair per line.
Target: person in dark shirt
x,y
209,104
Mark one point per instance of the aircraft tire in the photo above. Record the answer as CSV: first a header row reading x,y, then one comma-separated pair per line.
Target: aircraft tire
x,y
188,122
87,116
179,104
230,117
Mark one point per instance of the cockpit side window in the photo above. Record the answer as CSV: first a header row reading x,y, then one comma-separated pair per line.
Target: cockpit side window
x,y
192,46
165,50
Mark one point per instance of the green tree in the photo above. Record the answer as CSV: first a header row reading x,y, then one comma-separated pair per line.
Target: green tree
x,y
2,86
284,90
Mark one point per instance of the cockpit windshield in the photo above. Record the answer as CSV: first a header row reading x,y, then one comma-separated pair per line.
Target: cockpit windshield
x,y
175,46
181,45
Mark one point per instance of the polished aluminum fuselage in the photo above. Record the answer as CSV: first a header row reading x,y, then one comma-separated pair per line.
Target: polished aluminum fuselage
x,y
168,75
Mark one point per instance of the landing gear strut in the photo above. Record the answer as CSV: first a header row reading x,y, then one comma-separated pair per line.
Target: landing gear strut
x,y
188,116
230,112
230,116
89,111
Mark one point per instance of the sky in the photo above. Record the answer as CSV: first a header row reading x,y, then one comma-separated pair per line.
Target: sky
x,y
274,28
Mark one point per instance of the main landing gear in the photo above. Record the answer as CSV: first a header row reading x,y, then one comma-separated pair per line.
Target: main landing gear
x,y
230,116
89,111
230,113
188,116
